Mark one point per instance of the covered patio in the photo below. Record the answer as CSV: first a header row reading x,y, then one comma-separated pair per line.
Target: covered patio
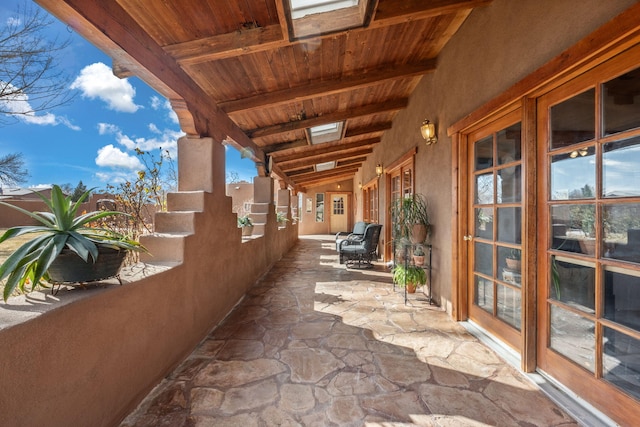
x,y
304,340
314,343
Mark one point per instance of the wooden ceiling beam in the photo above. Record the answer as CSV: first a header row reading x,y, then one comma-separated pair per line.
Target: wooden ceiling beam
x,y
354,161
115,32
273,148
311,176
330,157
287,147
326,148
392,12
388,12
366,110
227,45
375,128
357,80
329,180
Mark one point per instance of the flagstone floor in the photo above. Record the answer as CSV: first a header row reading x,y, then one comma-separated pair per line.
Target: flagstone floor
x,y
315,344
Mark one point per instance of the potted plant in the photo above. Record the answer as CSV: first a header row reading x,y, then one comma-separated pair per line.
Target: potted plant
x,y
246,224
411,276
62,238
418,255
410,218
513,260
281,218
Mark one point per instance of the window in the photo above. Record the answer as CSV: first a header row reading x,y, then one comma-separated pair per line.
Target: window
x,y
320,207
370,199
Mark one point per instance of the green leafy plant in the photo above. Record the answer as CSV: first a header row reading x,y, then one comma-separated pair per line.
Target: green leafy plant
x,y
281,217
407,212
59,228
409,275
418,251
244,221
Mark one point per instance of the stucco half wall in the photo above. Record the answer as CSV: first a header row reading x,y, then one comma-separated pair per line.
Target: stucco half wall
x,y
89,362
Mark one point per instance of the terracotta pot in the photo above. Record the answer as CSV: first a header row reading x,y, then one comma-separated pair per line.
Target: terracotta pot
x,y
247,230
419,233
418,260
70,268
411,288
513,264
588,246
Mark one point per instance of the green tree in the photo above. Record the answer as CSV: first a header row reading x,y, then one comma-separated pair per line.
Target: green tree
x,y
78,191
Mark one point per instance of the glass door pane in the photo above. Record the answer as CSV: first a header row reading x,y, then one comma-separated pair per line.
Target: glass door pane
x,y
591,293
496,300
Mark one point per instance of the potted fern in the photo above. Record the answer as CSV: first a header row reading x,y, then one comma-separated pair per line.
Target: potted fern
x,y
66,248
411,276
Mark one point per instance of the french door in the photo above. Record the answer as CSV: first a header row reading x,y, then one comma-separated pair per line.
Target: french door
x,y
495,220
589,236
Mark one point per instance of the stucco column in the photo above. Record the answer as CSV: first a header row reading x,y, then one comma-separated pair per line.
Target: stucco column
x,y
201,165
262,189
283,201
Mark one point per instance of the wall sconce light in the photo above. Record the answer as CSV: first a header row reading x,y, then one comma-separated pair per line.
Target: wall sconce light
x,y
339,186
360,185
582,152
428,131
379,170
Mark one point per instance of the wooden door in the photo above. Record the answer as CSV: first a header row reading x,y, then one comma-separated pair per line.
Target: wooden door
x,y
589,236
495,276
339,213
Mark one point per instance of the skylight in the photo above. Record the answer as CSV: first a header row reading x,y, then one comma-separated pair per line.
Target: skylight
x,y
310,18
301,8
325,166
326,133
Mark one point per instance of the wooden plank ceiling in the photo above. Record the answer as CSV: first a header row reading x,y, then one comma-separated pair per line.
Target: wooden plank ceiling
x,y
244,72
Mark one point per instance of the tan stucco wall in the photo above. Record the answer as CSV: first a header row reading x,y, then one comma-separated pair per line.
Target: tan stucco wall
x,y
90,362
308,224
240,193
497,46
10,217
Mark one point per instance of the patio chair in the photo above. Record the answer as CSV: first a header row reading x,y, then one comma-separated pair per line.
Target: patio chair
x,y
361,251
356,234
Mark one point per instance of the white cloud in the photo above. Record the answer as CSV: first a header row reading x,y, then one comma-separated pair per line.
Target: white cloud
x,y
107,128
157,103
110,156
166,139
13,21
97,81
115,177
17,104
172,114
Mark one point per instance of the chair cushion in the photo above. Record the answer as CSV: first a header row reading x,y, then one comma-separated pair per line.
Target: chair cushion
x,y
359,227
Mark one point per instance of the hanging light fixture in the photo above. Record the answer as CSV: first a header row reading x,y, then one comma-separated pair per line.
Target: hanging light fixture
x,y
428,131
379,170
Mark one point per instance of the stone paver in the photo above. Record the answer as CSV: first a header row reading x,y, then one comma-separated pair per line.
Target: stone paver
x,y
315,344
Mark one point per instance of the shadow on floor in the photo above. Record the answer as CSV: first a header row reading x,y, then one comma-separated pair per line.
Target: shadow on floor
x,y
316,344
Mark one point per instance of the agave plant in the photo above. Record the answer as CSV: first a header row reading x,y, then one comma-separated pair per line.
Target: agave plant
x,y
58,229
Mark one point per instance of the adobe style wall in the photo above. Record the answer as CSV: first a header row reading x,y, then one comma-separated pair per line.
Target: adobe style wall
x,y
496,46
89,362
308,224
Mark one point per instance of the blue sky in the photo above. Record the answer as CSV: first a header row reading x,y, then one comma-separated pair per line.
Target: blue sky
x,y
93,139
